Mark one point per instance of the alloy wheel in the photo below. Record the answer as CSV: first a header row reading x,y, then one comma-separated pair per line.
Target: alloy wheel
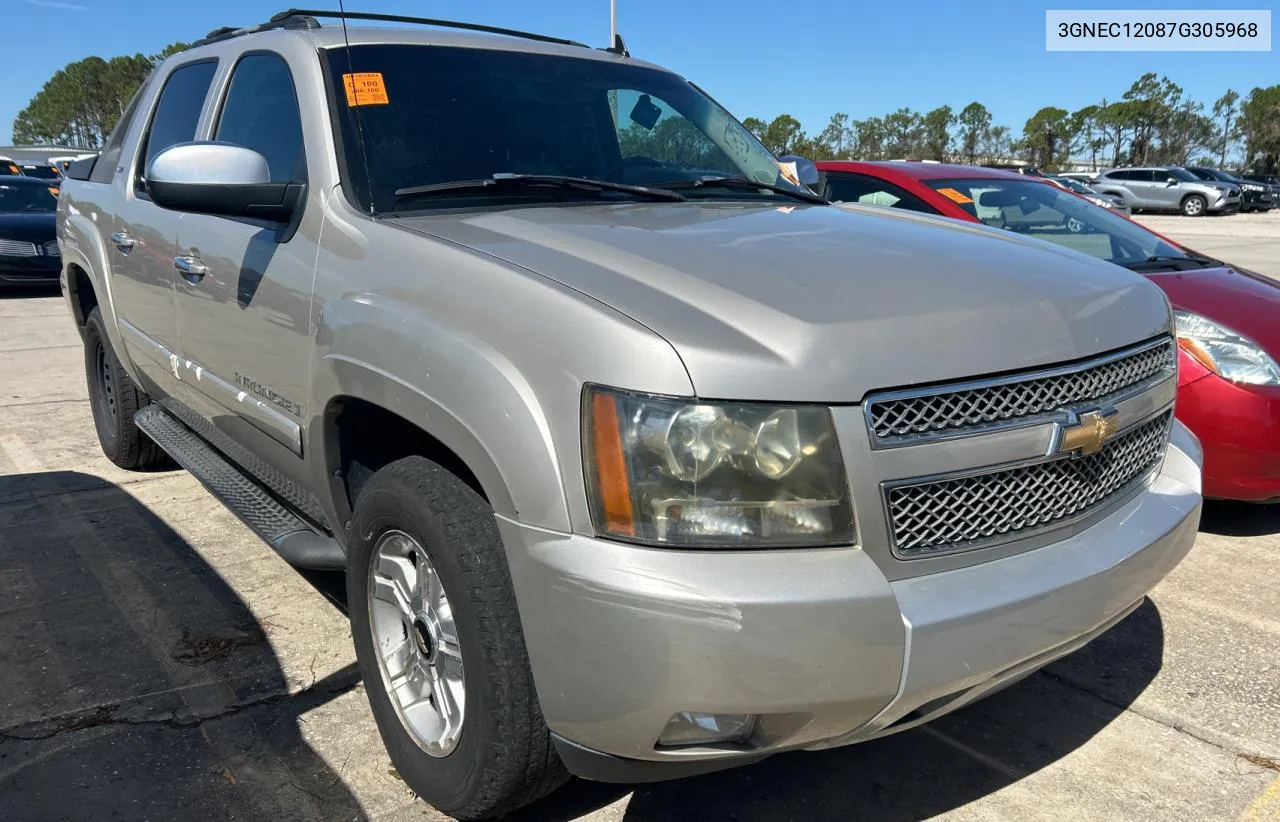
x,y
416,641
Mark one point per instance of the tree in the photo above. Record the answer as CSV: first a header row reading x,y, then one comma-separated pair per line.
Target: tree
x,y
935,133
834,143
902,134
81,103
975,125
1226,109
1260,126
871,135
1047,135
782,135
1084,134
1186,131
997,143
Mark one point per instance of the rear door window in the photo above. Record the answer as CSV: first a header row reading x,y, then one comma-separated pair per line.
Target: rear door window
x,y
177,112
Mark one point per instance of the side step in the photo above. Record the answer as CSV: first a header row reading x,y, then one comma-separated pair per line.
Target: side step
x,y
292,538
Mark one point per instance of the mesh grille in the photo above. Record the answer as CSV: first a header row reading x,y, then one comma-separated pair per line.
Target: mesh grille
x,y
950,410
17,248
958,514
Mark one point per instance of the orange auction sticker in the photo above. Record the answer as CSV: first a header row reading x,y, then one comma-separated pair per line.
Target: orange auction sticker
x,y
955,196
365,89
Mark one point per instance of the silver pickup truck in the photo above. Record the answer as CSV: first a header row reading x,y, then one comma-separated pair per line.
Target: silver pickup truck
x,y
641,460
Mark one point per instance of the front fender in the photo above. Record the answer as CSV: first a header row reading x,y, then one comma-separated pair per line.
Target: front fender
x,y
461,391
82,245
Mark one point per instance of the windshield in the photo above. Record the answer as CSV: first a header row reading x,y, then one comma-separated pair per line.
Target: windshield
x,y
1077,186
1049,213
1181,174
41,172
26,198
437,114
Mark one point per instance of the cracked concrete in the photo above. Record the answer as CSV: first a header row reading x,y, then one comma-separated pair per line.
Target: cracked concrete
x,y
162,663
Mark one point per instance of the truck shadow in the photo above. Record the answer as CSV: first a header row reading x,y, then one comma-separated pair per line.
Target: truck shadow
x,y
919,773
137,684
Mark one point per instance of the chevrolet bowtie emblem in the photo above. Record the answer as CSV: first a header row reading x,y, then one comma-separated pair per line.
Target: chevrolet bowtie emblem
x,y
1086,433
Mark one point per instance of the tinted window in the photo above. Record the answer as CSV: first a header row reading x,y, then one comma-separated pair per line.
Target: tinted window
x,y
1177,174
178,110
436,114
40,172
261,113
860,188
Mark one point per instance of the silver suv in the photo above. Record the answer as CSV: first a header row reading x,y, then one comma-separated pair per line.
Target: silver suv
x,y
641,460
1168,188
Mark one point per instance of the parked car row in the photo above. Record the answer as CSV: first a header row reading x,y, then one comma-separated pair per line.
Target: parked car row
x,y
1193,190
1229,380
49,172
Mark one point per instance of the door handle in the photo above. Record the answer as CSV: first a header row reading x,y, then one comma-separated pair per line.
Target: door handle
x,y
191,269
123,241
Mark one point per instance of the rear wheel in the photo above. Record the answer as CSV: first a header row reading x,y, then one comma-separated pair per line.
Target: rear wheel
x,y
114,398
440,645
1194,206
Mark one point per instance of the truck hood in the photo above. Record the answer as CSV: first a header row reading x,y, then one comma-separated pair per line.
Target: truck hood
x,y
821,304
32,227
1243,301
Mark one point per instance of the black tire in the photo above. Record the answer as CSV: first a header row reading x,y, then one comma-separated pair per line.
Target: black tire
x,y
504,757
114,399
1195,206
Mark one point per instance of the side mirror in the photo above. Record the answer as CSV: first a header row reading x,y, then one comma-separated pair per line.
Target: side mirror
x,y
222,180
805,169
1171,182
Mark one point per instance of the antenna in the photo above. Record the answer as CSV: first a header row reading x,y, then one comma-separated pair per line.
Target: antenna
x,y
613,22
351,71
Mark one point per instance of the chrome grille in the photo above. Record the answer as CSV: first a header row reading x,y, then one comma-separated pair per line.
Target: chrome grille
x,y
967,512
951,409
51,249
17,248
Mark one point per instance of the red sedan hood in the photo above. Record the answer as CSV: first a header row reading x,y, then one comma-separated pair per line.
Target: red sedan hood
x,y
1245,302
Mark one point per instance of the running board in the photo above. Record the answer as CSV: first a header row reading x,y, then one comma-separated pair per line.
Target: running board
x,y
288,535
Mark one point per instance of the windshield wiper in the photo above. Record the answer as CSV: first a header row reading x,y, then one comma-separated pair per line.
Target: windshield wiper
x,y
505,180
743,183
1176,260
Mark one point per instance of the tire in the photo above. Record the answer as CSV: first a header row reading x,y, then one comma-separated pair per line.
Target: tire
x,y
1194,206
114,398
502,756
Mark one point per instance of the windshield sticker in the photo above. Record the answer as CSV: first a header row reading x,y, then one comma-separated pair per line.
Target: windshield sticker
x,y
955,196
365,89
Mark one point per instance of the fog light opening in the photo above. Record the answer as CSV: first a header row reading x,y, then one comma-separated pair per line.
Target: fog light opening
x,y
689,728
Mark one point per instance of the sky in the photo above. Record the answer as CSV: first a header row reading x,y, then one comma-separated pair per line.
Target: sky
x,y
759,59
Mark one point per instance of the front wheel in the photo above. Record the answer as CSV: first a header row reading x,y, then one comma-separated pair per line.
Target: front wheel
x,y
1194,206
440,645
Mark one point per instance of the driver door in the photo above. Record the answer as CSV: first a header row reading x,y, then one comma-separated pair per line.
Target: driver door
x,y
244,290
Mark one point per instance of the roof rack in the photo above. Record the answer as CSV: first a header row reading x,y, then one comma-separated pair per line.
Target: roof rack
x,y
307,19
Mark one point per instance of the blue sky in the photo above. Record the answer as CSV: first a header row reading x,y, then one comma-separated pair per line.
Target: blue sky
x,y
758,58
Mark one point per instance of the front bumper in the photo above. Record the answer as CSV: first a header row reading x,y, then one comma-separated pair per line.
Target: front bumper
x,y
1224,204
1239,428
818,643
34,270
1261,200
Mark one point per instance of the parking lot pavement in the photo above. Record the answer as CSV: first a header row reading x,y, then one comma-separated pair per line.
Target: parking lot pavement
x,y
161,663
1248,240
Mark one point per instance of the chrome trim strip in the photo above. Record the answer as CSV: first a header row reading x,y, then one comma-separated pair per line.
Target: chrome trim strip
x,y
1124,493
899,441
265,418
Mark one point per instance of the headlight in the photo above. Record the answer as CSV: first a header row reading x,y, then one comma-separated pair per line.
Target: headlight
x,y
1103,203
1224,352
676,472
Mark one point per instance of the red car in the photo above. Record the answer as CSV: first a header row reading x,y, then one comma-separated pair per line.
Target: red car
x,y
1228,318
